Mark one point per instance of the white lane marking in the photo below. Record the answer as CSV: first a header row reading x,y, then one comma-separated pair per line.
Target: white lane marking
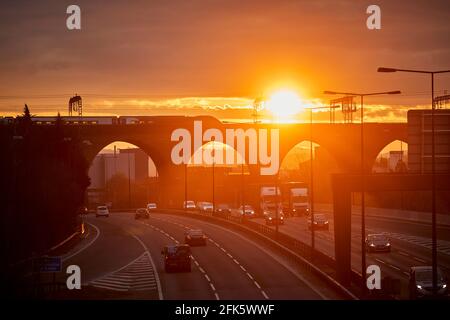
x,y
294,272
133,277
406,273
394,267
229,255
86,246
195,261
158,283
419,259
403,253
380,261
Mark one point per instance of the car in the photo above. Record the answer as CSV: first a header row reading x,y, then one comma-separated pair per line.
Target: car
x,y
222,210
248,211
377,243
177,257
194,237
421,282
204,206
320,222
272,219
141,213
151,206
102,211
189,205
83,210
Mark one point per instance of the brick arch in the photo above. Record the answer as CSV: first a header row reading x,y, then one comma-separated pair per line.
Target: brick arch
x,y
92,149
371,161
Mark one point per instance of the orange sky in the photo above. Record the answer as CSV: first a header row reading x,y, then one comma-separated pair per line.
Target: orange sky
x,y
215,57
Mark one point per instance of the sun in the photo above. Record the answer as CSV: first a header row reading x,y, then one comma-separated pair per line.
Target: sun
x,y
284,104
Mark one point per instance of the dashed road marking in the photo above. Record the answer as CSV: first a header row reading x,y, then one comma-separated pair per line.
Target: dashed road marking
x,y
193,259
229,255
403,253
394,267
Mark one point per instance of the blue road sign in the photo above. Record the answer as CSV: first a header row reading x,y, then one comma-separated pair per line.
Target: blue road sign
x,y
48,264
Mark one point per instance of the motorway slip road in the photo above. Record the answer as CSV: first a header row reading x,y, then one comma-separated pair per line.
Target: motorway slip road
x,y
120,259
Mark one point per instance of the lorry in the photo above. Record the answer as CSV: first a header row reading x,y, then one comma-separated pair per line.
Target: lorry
x,y
295,198
269,200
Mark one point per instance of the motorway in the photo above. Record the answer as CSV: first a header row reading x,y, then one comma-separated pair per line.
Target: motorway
x,y
121,259
410,241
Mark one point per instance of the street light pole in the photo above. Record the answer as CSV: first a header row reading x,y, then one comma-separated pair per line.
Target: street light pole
x,y
129,180
363,200
433,194
242,186
213,178
362,169
433,169
185,186
311,185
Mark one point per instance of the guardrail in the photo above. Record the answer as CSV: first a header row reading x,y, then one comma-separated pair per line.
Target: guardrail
x,y
295,250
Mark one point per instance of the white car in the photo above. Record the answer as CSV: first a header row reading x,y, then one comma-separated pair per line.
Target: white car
x,y
189,205
102,211
204,206
151,206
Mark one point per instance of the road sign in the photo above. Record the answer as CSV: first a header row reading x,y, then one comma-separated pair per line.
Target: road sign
x,y
47,264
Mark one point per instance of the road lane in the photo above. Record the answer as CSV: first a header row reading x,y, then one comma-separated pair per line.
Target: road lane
x,y
395,264
175,286
116,265
274,278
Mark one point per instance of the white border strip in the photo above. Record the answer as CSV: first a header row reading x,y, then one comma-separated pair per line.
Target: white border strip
x,y
158,283
86,246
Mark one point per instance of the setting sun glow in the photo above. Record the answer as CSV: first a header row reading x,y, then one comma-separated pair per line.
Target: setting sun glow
x,y
284,104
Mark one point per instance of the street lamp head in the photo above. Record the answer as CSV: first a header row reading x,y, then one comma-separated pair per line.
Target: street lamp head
x,y
382,69
395,92
329,92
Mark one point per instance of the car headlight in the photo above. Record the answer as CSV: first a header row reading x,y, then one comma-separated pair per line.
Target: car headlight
x,y
270,218
388,244
326,222
419,287
372,245
281,218
294,209
315,222
444,286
